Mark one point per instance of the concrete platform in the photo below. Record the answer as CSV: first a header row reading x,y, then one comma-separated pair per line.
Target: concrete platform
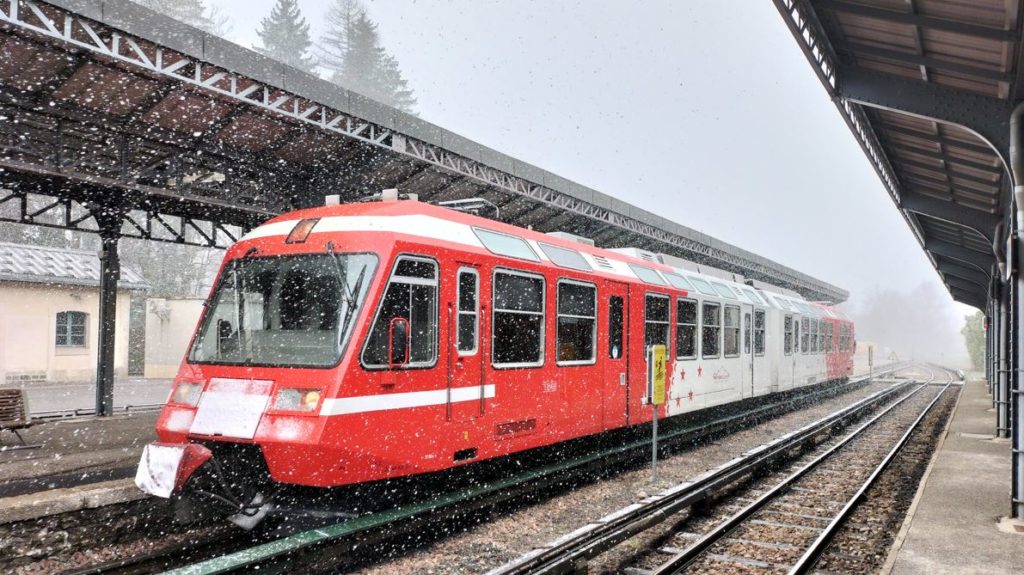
x,y
73,452
952,526
46,397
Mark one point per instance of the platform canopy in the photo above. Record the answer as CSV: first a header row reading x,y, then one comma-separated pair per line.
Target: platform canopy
x,y
928,87
125,119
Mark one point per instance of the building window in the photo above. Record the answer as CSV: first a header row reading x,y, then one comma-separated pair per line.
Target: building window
x,y
517,330
71,328
656,321
577,323
759,331
411,295
468,313
787,335
712,325
686,328
805,342
731,346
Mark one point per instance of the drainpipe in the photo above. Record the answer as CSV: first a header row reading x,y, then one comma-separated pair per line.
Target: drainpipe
x,y
1016,394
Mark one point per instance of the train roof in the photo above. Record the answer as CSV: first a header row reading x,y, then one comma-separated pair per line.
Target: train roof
x,y
561,250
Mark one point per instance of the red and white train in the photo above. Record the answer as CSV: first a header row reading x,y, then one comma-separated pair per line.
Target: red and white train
x,y
354,343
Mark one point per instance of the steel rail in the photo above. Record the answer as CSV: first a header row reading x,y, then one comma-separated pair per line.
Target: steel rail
x,y
810,557
687,556
251,558
562,555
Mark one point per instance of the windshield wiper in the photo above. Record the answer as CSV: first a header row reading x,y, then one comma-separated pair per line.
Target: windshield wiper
x,y
349,299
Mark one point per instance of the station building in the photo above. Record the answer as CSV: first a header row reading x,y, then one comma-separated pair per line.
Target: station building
x,y
49,302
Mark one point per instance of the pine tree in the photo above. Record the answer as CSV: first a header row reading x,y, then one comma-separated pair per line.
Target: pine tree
x,y
334,44
285,36
352,52
191,12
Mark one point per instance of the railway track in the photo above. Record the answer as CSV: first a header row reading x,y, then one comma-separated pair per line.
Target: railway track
x,y
775,509
320,546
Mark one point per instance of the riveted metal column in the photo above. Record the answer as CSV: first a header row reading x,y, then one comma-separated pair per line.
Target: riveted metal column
x,y
110,272
1003,371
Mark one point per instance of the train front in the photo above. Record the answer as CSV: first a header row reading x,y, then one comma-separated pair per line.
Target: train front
x,y
268,350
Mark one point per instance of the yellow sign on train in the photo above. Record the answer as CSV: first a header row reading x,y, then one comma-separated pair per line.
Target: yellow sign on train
x,y
656,374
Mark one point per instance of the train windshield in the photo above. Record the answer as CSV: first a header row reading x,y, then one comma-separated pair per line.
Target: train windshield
x,y
284,310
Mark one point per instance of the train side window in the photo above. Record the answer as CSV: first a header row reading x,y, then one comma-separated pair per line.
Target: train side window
x,y
468,320
814,336
615,327
821,335
787,335
759,332
686,328
411,295
731,325
746,332
577,323
517,327
656,320
712,326
828,337
805,327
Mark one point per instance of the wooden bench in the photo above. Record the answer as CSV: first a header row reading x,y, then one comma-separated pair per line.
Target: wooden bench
x,y
14,412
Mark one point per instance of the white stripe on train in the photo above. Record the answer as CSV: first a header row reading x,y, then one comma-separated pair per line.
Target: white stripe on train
x,y
406,400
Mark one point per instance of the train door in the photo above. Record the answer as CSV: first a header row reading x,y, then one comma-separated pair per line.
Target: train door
x,y
465,346
747,353
615,396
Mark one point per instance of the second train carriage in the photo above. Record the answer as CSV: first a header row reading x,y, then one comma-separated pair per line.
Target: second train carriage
x,y
360,342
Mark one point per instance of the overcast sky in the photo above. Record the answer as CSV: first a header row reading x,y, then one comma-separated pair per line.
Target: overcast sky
x,y
706,115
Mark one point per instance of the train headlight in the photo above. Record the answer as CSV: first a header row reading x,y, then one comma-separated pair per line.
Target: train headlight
x,y
187,393
293,399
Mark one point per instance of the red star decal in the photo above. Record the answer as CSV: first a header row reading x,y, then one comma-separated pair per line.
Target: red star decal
x,y
691,395
699,370
679,401
683,374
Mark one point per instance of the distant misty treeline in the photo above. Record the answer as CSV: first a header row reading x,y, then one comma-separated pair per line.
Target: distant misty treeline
x,y
349,53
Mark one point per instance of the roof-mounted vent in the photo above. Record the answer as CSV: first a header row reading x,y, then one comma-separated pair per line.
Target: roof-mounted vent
x,y
472,206
602,262
637,253
678,263
572,238
332,200
389,195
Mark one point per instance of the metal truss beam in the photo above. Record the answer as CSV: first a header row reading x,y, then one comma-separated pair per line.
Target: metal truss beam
x,y
976,259
965,272
987,117
968,297
913,19
23,207
901,148
979,222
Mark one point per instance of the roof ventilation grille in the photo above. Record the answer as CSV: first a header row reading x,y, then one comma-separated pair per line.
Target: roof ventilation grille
x,y
602,262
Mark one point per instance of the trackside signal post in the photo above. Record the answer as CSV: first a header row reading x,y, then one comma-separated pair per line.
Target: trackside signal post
x,y
656,376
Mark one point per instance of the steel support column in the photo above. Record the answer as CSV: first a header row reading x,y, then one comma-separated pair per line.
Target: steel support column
x,y
1003,378
110,272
